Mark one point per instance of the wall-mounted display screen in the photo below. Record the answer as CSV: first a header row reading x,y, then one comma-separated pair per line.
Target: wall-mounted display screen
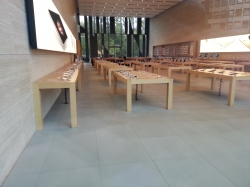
x,y
47,29
239,43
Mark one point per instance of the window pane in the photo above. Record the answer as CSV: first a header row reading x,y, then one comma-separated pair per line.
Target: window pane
x,y
82,21
124,45
117,25
123,25
142,25
141,43
135,48
107,24
101,24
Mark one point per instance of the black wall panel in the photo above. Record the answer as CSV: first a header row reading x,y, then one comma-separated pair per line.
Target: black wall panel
x,y
104,24
138,25
97,25
112,25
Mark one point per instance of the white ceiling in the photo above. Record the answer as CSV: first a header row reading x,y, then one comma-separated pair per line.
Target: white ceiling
x,y
122,8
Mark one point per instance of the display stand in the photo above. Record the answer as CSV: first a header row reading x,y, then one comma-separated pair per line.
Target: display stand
x,y
56,80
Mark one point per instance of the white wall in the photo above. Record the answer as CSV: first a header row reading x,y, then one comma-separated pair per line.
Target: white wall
x,y
19,67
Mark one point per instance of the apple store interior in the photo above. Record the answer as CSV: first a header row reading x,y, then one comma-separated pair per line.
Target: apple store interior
x,y
125,93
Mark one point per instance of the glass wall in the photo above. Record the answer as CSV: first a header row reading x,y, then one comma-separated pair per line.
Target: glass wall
x,y
115,45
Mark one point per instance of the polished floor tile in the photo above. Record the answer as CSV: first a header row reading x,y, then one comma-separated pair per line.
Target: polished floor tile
x,y
156,129
239,138
207,144
192,172
89,177
168,147
71,156
140,174
31,161
114,133
118,152
235,166
29,180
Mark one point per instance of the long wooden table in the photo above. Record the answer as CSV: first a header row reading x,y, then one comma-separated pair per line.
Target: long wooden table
x,y
169,68
52,81
231,76
110,68
221,66
100,65
142,77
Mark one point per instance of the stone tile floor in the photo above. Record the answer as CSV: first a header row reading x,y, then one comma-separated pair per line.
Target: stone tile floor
x,y
201,142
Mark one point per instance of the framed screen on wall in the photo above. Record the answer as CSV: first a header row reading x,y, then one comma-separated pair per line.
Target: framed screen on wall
x,y
239,43
47,29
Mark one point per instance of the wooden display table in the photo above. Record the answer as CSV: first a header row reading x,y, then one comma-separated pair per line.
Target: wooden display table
x,y
221,66
169,68
142,78
101,63
127,62
137,63
51,81
144,65
110,68
221,74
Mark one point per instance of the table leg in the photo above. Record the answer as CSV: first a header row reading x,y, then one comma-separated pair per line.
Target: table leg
x,y
142,87
169,97
213,79
109,77
231,94
38,107
101,70
79,79
104,73
188,81
98,68
73,110
129,96
115,84
169,72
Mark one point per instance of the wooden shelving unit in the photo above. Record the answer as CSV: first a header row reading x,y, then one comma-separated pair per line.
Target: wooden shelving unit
x,y
185,49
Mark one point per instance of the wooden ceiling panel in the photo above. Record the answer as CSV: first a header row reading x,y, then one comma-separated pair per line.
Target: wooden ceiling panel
x,y
129,8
